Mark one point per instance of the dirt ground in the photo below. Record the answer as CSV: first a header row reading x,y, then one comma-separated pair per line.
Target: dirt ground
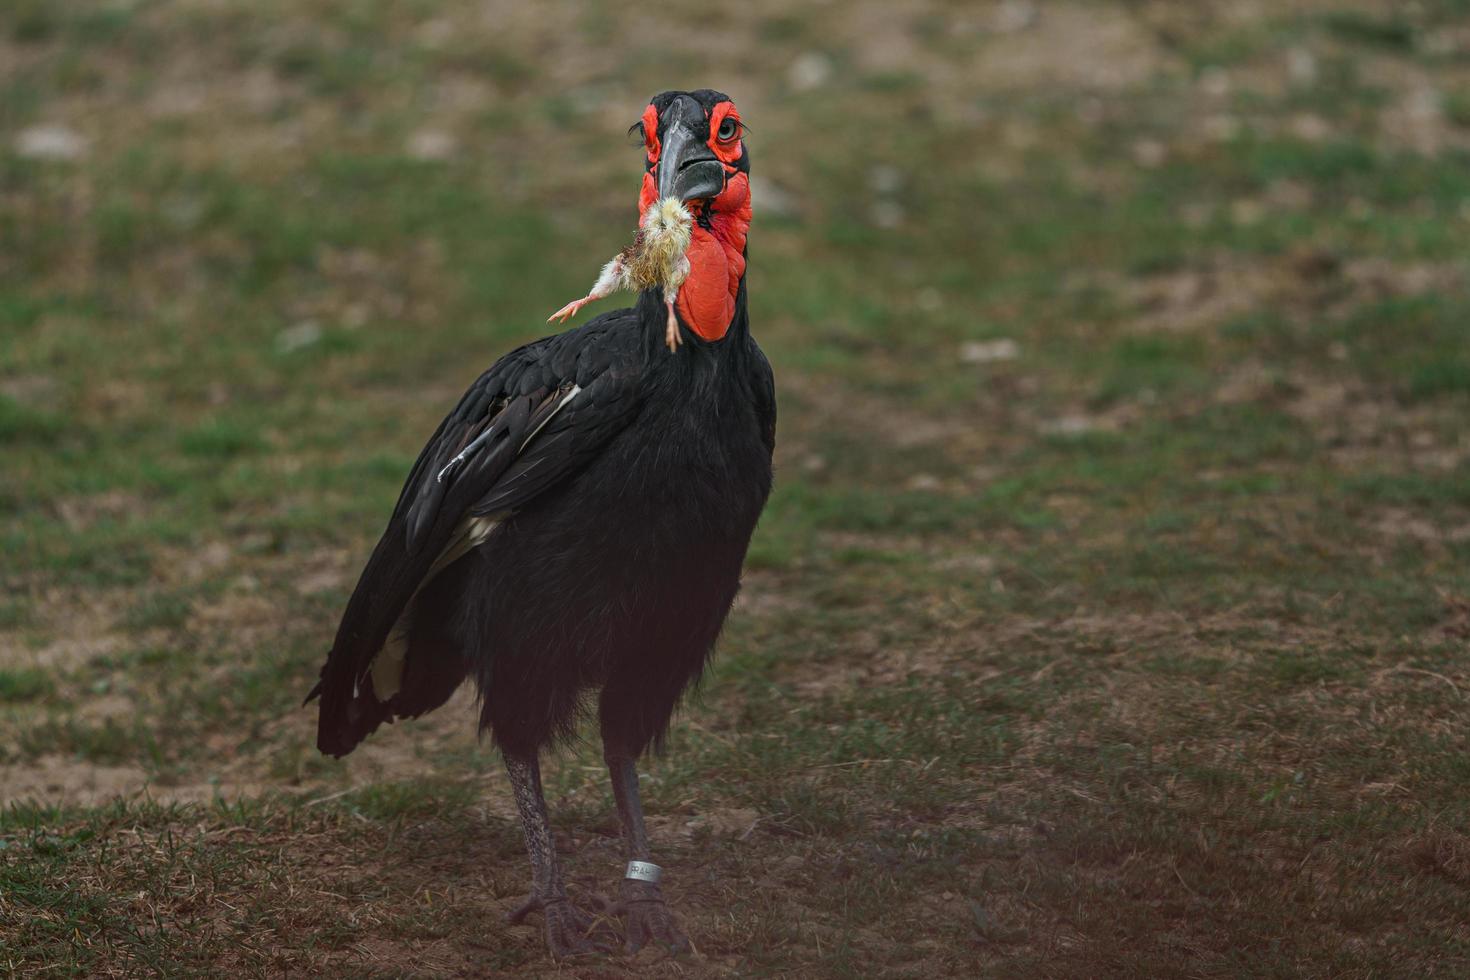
x,y
1109,617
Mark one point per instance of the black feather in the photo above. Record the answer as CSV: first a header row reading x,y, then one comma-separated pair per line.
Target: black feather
x,y
624,516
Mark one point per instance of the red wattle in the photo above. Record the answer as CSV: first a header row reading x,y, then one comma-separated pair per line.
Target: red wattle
x,y
717,262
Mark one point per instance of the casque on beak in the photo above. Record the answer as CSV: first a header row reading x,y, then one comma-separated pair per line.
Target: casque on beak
x,y
687,168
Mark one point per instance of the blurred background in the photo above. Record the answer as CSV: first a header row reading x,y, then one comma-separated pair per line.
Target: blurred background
x,y
1109,616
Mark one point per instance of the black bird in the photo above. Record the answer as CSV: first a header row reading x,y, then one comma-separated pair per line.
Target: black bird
x,y
574,530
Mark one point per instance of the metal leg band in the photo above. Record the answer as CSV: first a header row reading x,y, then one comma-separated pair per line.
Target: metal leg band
x,y
644,871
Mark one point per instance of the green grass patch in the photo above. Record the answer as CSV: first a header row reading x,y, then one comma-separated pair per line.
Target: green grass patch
x,y
26,684
1135,649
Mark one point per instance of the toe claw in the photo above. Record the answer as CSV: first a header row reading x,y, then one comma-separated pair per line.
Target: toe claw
x,y
650,921
518,914
569,930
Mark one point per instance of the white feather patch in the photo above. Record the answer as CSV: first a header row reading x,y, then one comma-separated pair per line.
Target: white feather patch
x,y
387,663
566,400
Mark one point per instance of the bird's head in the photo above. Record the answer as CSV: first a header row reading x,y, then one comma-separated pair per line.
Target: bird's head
x,y
695,145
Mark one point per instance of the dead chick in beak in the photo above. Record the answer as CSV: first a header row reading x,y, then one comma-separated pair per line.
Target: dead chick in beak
x,y
656,259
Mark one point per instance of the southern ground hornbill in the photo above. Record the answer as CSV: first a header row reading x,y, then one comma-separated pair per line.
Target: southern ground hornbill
x,y
573,532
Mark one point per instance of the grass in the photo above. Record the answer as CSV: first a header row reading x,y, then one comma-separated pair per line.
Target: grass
x,y
1135,647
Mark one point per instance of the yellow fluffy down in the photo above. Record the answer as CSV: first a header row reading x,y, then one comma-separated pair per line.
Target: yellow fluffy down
x,y
656,258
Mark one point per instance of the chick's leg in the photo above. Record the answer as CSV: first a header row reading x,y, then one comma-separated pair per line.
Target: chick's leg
x,y
671,327
671,292
609,280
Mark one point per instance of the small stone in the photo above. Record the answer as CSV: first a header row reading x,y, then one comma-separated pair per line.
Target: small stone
x,y
302,335
50,141
1301,66
431,144
768,197
987,351
810,70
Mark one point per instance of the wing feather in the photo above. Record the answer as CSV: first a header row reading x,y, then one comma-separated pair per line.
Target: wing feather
x,y
530,421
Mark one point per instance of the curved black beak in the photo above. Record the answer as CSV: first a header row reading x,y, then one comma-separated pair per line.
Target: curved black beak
x,y
687,169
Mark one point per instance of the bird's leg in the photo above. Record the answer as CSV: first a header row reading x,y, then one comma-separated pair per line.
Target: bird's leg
x,y
568,929
642,906
671,328
609,280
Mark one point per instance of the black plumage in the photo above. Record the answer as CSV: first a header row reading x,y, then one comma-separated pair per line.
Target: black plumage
x,y
627,519
570,538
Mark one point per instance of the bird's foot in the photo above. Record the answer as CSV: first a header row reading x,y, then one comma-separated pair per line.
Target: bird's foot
x,y
647,919
570,310
569,930
671,328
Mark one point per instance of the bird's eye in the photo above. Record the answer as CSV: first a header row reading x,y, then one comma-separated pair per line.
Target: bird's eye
x,y
729,129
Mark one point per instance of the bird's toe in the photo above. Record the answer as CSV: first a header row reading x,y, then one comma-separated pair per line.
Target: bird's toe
x,y
651,922
569,930
518,914
572,932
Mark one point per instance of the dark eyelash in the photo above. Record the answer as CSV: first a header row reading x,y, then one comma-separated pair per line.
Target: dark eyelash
x,y
635,134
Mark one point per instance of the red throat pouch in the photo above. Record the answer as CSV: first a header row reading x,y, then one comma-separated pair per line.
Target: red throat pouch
x,y
716,257
717,262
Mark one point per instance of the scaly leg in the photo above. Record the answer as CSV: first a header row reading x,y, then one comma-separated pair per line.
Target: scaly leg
x,y
568,928
642,906
610,279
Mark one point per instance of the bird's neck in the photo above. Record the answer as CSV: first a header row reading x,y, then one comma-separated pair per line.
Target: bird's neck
x,y
716,255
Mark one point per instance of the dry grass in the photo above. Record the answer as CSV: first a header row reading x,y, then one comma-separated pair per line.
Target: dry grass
x,y
1110,614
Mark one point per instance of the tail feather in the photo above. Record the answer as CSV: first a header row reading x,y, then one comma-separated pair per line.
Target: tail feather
x,y
429,666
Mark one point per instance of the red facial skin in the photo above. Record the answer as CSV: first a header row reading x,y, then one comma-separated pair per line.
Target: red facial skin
x,y
716,256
